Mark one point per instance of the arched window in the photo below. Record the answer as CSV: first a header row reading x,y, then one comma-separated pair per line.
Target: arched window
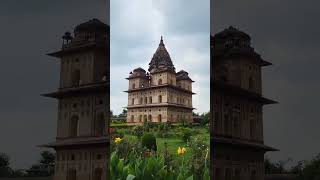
x,y
150,118
159,118
141,99
132,101
150,100
236,174
252,128
228,174
227,124
250,83
159,81
253,175
99,125
145,100
75,77
97,174
140,118
160,99
132,118
145,119
74,126
236,126
72,174
133,86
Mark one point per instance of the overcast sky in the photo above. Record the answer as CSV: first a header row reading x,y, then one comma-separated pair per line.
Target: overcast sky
x,y
285,33
29,30
135,36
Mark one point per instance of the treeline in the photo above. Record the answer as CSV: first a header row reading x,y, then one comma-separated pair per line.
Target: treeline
x,y
304,170
44,167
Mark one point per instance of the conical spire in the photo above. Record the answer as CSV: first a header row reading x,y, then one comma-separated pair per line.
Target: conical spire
x,y
161,42
161,59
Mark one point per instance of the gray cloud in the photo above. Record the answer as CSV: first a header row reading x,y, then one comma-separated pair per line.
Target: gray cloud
x,y
29,30
285,33
135,35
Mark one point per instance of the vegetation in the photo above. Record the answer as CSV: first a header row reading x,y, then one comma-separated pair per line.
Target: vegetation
x,y
141,163
181,152
304,170
149,141
43,168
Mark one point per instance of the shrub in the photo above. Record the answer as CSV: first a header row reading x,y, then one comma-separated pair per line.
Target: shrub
x,y
186,134
200,158
149,141
137,131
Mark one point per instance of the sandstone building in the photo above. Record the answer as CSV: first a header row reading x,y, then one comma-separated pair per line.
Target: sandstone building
x,y
161,94
237,131
82,143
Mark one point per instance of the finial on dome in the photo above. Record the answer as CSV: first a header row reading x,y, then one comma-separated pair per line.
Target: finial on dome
x,y
161,41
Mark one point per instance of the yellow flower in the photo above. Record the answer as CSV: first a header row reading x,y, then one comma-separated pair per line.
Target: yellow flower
x,y
181,151
117,140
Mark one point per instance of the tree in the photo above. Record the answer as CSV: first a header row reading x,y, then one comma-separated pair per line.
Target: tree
x,y
311,169
275,168
205,118
124,113
47,158
5,170
45,167
111,114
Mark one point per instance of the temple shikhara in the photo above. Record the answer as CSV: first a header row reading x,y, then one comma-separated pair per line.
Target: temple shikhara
x,y
237,100
161,94
83,103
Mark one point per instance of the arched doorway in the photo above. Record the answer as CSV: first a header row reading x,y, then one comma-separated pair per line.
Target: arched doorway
x,y
74,126
75,77
160,99
159,118
99,124
72,174
97,174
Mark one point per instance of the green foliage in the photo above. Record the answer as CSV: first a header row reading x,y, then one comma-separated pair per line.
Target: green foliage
x,y
149,141
137,131
205,118
47,158
200,158
186,134
311,169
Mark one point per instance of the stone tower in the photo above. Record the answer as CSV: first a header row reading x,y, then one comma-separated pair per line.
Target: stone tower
x,y
82,143
237,107
160,95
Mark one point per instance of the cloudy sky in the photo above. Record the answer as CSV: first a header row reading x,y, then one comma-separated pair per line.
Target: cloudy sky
x,y
135,36
285,33
29,30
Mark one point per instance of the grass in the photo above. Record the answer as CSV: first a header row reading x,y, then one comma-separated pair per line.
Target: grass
x,y
173,143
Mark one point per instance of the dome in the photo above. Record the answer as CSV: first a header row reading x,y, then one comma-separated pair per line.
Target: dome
x,y
231,32
92,25
161,59
183,75
231,40
138,72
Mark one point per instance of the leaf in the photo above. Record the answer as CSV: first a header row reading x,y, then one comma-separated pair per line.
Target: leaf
x,y
206,174
130,177
114,160
190,178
